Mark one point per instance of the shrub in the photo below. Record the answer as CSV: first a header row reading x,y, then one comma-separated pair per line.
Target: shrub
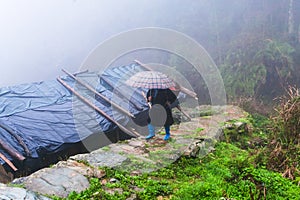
x,y
284,142
287,120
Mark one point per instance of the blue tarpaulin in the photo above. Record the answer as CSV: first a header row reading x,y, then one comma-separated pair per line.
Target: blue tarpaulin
x,y
47,117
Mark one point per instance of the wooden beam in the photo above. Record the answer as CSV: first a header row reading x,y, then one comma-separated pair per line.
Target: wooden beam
x,y
18,138
96,108
124,94
11,151
3,157
184,113
98,94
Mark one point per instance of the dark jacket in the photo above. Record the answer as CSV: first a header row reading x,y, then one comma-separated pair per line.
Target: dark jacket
x,y
163,97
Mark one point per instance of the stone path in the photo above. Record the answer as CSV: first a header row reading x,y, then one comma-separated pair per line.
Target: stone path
x,y
193,138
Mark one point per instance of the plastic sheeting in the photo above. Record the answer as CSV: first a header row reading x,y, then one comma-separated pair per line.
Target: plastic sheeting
x,y
46,116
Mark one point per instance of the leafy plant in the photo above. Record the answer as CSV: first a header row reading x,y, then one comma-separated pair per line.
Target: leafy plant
x,y
287,120
258,70
285,140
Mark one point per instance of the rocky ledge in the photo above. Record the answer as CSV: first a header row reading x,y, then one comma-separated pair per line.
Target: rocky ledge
x,y
191,138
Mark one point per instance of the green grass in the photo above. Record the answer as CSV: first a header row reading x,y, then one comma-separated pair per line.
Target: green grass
x,y
106,148
227,172
231,172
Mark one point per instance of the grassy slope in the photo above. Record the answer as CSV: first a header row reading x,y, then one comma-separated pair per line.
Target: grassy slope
x,y
227,173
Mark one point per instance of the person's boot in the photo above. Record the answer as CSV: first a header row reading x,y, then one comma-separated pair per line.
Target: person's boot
x,y
151,131
150,136
167,136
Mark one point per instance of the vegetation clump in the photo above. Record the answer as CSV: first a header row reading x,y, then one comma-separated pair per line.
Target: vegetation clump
x,y
284,146
287,121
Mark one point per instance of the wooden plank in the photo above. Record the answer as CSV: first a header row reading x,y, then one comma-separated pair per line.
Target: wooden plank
x,y
98,94
123,93
17,137
97,109
11,151
3,157
184,113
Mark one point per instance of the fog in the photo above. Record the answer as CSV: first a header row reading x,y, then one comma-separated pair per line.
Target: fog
x,y
38,38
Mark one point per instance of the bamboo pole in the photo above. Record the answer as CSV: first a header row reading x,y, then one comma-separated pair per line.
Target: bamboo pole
x,y
121,93
18,138
11,151
96,108
183,112
183,89
98,94
3,157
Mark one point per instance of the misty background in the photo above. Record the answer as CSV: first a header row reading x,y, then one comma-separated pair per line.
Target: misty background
x,y
38,38
255,43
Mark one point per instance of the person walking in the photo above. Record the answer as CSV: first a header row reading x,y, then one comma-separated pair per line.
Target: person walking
x,y
160,113
159,98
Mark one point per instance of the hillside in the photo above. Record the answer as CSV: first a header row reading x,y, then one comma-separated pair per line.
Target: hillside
x,y
226,166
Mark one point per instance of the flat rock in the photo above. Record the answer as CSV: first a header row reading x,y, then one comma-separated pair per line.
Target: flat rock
x,y
57,181
81,168
16,193
136,143
102,159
